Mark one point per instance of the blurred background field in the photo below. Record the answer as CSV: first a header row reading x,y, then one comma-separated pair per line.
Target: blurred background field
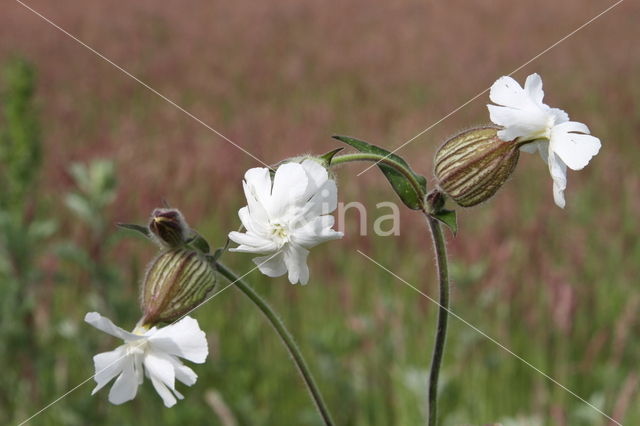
x,y
83,146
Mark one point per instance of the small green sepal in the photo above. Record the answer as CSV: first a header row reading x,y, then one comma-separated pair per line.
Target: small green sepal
x,y
220,251
198,242
326,158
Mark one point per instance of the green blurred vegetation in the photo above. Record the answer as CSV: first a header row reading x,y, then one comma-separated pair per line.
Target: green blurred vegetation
x,y
366,335
22,236
87,147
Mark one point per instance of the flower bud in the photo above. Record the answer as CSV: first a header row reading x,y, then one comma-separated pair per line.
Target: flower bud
x,y
176,281
473,165
168,227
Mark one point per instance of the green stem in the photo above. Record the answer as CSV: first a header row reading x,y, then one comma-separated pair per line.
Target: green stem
x,y
382,159
286,338
443,312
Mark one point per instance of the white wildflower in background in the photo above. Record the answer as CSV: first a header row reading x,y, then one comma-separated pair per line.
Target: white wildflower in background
x,y
525,117
283,219
156,351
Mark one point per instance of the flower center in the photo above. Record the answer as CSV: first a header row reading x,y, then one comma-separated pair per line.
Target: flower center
x,y
137,347
279,232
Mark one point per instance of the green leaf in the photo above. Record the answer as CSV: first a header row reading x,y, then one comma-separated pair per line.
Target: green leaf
x,y
198,242
448,218
137,228
398,181
326,158
80,206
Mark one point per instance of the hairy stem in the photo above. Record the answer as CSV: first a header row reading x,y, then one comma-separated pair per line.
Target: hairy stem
x,y
382,159
286,338
443,312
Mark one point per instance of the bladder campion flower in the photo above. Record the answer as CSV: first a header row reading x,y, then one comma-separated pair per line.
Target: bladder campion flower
x,y
154,351
286,216
525,118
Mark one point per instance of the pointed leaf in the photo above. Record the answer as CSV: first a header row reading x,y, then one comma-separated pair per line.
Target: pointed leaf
x,y
448,218
398,181
137,228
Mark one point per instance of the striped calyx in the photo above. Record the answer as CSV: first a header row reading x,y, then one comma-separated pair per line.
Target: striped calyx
x,y
473,165
168,227
176,282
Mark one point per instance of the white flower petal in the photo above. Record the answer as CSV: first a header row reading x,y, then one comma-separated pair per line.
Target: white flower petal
x,y
272,265
105,324
167,395
289,188
255,250
125,387
572,126
245,218
184,339
317,175
108,365
160,368
533,87
575,149
296,260
558,195
316,231
251,243
184,373
506,91
543,149
157,366
250,223
558,172
324,201
531,147
259,180
525,124
257,209
559,116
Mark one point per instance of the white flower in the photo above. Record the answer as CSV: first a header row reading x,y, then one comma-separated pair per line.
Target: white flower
x,y
157,350
283,219
525,117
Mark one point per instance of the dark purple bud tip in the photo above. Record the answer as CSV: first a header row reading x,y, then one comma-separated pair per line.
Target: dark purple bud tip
x,y
169,227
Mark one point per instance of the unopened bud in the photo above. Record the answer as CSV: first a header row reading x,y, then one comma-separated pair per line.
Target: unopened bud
x,y
473,165
176,282
168,227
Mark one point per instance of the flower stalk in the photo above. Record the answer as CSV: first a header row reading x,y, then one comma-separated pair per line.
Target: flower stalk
x,y
286,338
443,315
431,205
